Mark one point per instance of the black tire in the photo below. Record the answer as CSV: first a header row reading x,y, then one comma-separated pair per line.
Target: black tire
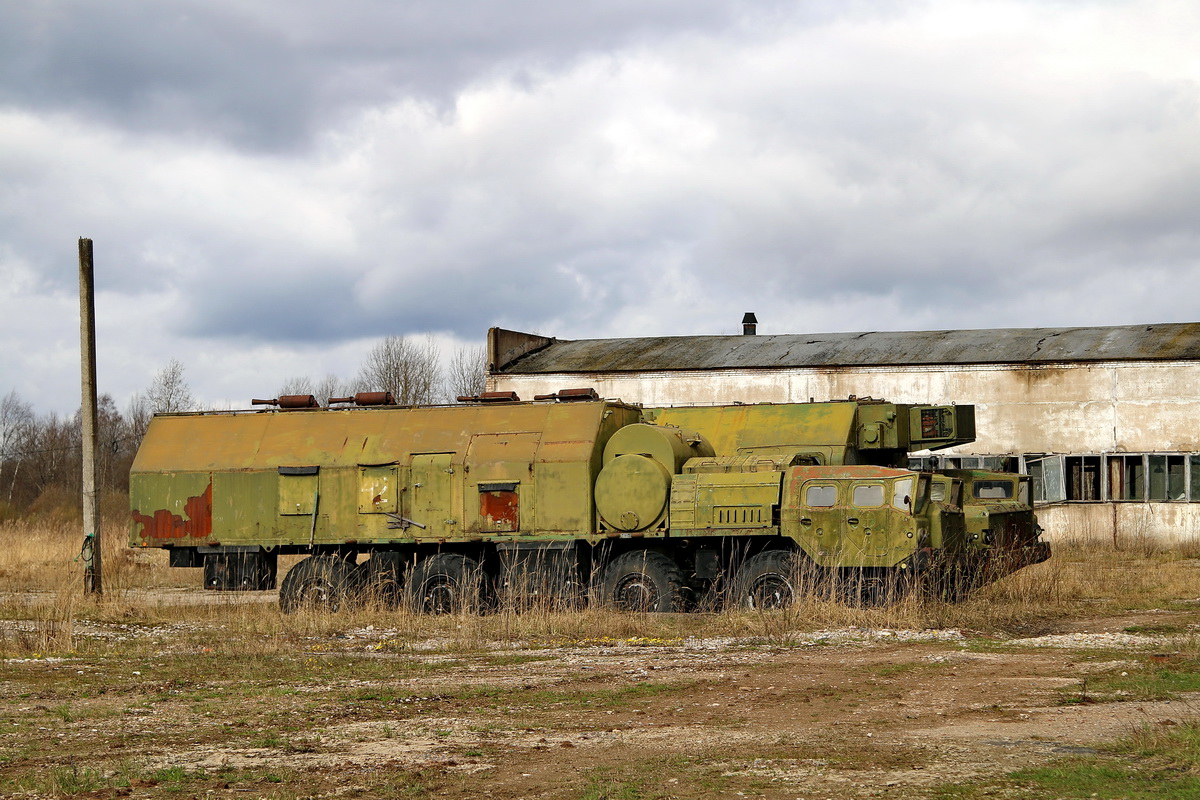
x,y
320,583
874,588
382,580
954,582
771,579
641,580
445,583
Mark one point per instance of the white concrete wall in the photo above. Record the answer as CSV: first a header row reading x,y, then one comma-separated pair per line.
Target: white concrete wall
x,y
1136,525
1085,408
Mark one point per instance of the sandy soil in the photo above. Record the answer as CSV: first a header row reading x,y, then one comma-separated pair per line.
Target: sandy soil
x,y
847,713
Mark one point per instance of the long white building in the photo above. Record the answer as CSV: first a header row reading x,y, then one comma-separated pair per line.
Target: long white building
x,y
1105,419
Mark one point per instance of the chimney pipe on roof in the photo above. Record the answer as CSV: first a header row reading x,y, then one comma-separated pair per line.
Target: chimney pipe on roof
x,y
749,324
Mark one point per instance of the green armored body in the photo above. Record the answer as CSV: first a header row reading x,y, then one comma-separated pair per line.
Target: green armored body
x,y
561,500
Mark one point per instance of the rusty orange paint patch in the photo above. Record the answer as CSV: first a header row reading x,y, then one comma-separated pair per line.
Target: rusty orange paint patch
x,y
500,511
162,524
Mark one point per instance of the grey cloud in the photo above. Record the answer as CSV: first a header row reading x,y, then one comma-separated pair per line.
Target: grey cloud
x,y
268,75
293,177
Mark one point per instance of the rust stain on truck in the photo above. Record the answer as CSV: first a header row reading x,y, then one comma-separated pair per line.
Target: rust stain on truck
x,y
194,523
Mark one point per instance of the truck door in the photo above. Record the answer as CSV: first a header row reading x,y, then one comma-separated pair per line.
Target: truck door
x,y
822,516
867,521
433,495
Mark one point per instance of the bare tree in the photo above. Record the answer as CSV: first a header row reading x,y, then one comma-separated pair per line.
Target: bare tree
x,y
406,368
466,374
137,417
55,455
168,391
298,384
17,424
332,386
329,386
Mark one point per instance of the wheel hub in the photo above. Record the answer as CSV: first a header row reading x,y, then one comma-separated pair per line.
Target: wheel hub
x,y
771,591
635,593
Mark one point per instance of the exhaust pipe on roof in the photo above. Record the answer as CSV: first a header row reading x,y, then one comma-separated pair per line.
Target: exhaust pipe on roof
x,y
366,399
289,401
749,324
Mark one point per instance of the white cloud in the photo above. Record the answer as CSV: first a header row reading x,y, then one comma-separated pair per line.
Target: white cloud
x,y
887,166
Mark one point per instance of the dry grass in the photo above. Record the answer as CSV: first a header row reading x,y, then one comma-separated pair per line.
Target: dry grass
x,y
44,555
44,600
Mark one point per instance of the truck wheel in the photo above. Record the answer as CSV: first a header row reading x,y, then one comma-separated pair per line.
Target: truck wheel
x,y
872,588
445,583
382,577
641,580
768,580
952,583
320,583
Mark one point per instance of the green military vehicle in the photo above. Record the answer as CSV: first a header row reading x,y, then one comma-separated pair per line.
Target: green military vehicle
x,y
981,524
560,500
1001,529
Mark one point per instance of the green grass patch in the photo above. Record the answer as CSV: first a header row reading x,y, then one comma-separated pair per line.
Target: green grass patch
x,y
1159,762
1162,629
512,659
1107,780
1154,680
892,670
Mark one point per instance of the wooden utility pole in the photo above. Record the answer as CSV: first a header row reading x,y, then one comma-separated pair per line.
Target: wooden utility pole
x,y
87,347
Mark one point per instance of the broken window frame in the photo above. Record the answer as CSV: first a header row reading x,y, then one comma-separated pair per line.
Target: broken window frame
x,y
1047,473
1146,477
1126,475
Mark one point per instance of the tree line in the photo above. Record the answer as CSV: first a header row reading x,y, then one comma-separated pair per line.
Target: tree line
x,y
41,454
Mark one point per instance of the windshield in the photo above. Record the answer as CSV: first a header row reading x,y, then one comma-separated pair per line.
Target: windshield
x,y
993,490
902,494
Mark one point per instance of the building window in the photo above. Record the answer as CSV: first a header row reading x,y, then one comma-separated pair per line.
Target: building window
x,y
1089,477
1126,477
1048,475
1083,478
1168,480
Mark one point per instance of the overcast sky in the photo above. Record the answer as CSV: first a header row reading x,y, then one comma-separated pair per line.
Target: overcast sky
x,y
273,186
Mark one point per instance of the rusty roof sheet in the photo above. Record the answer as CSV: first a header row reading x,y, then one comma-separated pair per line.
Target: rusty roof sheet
x,y
1164,342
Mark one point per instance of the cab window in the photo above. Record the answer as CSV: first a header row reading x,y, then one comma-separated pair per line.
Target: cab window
x,y
937,492
868,495
993,490
1023,492
922,493
902,494
820,496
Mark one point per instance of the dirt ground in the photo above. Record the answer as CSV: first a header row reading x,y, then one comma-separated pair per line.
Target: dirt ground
x,y
831,714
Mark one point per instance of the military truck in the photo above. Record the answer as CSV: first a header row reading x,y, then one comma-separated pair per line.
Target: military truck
x,y
982,525
566,499
1002,532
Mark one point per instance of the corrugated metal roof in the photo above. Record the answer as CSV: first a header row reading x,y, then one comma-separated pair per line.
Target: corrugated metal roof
x,y
1165,342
